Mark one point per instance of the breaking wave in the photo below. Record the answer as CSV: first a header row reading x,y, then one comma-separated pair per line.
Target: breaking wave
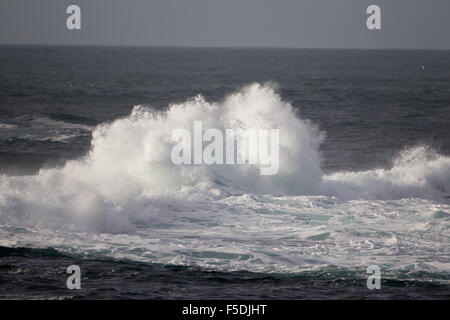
x,y
128,176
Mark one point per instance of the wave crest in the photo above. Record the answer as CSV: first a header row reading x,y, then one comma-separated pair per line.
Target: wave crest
x,y
128,175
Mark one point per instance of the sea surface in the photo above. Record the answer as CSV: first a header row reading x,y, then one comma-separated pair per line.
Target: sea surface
x,y
86,176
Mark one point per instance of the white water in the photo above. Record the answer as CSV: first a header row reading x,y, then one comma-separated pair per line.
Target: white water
x,y
40,128
126,199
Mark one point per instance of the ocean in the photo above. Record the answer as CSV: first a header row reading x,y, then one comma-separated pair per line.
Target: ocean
x,y
86,177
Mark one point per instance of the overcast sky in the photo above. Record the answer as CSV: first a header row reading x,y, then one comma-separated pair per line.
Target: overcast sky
x,y
423,24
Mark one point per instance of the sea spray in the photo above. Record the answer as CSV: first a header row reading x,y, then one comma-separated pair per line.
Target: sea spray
x,y
128,177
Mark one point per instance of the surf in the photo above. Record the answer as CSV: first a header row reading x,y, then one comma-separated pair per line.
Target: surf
x,y
128,175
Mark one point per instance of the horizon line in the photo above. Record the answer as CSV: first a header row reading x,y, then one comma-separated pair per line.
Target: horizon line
x,y
217,47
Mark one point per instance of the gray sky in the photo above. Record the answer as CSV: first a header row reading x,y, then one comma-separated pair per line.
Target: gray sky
x,y
423,24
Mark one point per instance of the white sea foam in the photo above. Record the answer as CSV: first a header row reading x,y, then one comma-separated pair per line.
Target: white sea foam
x,y
231,217
39,121
7,126
416,172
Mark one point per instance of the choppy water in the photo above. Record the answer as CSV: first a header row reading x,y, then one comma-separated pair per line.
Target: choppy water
x,y
86,172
